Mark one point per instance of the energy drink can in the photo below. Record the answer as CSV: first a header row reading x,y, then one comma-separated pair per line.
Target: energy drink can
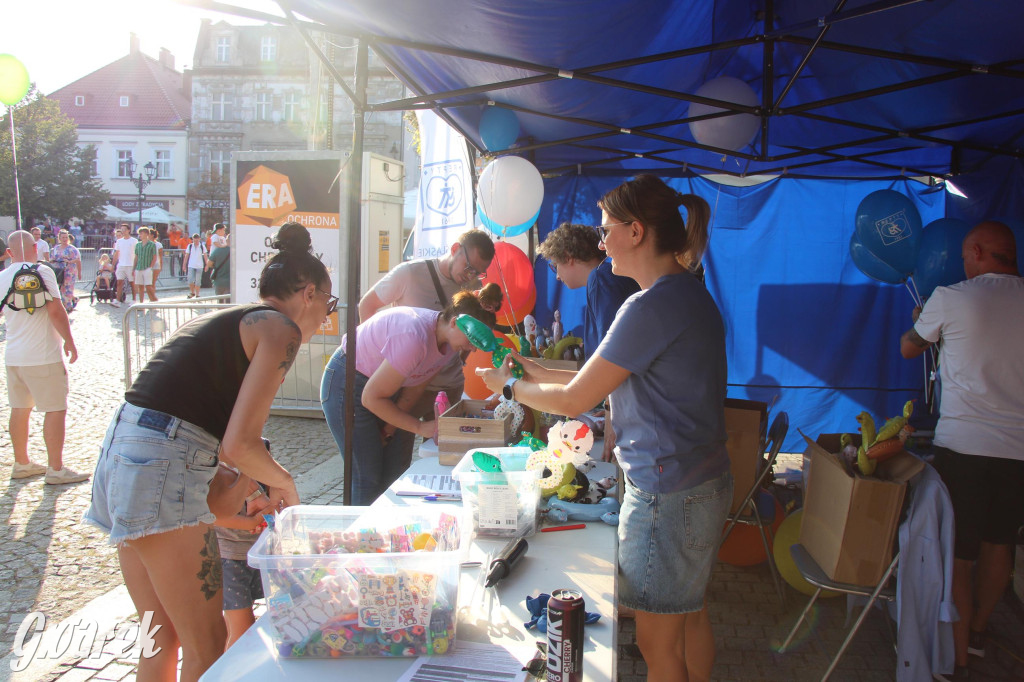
x,y
565,636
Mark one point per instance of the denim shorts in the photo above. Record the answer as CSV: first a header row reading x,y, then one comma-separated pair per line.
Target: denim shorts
x,y
668,543
152,476
195,276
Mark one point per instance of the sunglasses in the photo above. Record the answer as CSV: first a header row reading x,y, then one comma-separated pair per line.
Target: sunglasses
x,y
332,301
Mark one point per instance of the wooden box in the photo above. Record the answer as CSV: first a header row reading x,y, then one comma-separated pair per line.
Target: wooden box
x,y
463,428
571,365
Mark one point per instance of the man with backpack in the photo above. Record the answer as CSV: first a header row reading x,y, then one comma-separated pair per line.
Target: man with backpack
x,y
37,324
196,262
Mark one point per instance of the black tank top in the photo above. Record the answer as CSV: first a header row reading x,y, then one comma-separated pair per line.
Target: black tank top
x,y
197,374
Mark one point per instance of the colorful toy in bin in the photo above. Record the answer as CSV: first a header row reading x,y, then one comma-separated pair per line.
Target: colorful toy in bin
x,y
481,336
342,582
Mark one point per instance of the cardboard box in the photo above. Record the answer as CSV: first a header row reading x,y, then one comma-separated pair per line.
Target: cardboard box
x,y
743,423
571,365
850,520
463,427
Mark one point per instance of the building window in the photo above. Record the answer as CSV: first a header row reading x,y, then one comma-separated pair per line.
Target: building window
x,y
221,107
268,49
79,100
291,107
124,162
220,165
124,100
223,49
263,100
163,164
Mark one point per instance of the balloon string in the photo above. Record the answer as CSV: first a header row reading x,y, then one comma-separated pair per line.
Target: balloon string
x,y
912,294
504,285
919,300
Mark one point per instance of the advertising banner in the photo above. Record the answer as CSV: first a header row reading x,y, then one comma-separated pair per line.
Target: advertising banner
x,y
271,191
445,206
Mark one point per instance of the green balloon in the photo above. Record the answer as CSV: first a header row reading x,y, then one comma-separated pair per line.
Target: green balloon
x,y
13,80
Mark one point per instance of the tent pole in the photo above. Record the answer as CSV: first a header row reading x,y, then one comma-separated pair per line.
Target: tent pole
x,y
353,193
806,57
767,77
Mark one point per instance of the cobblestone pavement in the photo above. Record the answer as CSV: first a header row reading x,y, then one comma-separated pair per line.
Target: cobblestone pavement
x,y
53,563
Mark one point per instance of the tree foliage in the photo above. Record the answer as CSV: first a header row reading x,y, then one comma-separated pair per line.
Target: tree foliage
x,y
54,174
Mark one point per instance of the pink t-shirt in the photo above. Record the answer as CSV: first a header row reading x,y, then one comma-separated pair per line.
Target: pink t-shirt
x,y
406,338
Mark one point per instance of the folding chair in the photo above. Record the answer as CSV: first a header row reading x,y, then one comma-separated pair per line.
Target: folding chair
x,y
813,574
747,512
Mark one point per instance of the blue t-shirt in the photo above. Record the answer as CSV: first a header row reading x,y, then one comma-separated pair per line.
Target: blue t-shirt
x,y
669,414
606,293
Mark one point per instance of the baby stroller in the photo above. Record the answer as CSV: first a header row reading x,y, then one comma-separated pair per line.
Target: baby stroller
x,y
104,288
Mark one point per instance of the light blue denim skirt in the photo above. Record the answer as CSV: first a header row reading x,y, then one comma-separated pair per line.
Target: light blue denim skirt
x,y
152,476
668,543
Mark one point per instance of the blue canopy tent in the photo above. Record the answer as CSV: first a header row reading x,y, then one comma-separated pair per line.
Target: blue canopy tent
x,y
853,96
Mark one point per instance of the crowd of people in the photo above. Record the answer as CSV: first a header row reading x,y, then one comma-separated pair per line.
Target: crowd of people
x,y
649,320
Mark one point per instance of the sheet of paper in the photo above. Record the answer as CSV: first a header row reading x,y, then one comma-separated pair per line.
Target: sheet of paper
x,y
470,662
426,484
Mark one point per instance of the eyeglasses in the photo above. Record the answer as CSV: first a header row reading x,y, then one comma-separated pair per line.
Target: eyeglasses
x,y
469,268
554,266
603,229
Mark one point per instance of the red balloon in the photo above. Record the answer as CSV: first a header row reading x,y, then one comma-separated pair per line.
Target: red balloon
x,y
513,272
743,547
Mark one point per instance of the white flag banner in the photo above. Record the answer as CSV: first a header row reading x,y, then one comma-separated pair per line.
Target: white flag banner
x,y
445,207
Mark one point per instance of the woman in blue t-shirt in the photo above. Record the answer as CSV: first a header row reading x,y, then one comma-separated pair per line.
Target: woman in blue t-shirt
x,y
663,363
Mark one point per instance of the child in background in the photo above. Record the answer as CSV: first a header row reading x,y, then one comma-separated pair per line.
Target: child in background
x,y
237,531
105,273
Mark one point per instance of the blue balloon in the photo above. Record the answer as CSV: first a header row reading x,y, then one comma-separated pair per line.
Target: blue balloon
x,y
501,230
871,265
939,260
889,225
499,128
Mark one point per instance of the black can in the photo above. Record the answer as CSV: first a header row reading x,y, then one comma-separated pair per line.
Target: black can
x,y
565,636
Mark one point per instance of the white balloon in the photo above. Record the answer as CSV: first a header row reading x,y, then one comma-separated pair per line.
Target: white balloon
x,y
726,132
510,190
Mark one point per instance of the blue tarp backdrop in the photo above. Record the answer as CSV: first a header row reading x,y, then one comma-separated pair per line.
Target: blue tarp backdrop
x,y
802,323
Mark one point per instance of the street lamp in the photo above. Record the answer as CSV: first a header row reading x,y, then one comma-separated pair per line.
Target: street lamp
x,y
142,181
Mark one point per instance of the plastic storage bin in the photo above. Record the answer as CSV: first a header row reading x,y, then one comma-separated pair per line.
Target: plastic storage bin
x,y
347,581
500,504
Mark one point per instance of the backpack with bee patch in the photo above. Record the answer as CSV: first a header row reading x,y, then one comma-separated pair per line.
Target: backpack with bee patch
x,y
28,290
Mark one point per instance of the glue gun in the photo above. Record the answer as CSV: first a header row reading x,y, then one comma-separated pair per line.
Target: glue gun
x,y
502,565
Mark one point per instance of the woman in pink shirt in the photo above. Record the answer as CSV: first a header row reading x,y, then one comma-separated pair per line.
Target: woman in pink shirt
x,y
398,351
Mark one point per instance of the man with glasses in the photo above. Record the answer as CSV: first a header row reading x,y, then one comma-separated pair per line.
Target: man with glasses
x,y
574,254
430,283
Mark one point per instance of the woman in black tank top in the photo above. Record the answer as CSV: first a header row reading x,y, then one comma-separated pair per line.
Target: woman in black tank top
x,y
164,446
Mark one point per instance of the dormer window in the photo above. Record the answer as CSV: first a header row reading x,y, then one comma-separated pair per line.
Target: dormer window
x,y
79,100
223,49
124,100
268,49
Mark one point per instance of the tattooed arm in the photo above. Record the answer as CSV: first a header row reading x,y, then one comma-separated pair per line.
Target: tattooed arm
x,y
912,345
271,341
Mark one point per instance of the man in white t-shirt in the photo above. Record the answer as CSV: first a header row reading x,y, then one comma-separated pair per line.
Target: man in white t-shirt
x,y
124,253
979,439
36,376
412,284
41,247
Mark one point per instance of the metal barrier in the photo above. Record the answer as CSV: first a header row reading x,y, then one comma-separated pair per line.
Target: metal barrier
x,y
147,326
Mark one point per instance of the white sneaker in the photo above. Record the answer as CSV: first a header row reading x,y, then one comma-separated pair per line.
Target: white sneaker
x,y
26,470
115,303
65,475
